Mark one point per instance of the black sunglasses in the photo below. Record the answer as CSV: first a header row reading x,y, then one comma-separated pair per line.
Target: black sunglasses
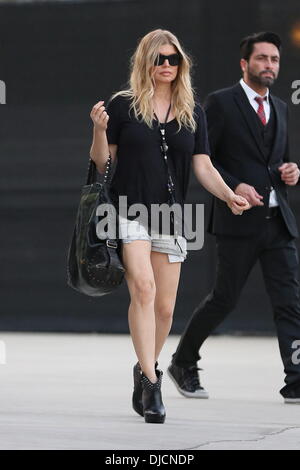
x,y
173,59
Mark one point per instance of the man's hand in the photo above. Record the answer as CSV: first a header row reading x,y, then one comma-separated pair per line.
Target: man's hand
x,y
289,173
250,194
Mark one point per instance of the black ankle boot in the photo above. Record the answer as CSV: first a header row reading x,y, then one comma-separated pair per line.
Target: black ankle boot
x,y
153,407
137,390
137,403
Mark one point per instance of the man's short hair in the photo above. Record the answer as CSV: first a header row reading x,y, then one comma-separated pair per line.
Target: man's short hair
x,y
247,44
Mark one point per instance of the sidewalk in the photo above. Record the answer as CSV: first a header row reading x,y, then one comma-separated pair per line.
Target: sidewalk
x,y
63,391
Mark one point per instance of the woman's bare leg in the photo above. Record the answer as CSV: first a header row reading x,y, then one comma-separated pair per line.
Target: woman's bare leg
x,y
166,277
141,316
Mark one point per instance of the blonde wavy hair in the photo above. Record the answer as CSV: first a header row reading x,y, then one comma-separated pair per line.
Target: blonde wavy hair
x,y
142,85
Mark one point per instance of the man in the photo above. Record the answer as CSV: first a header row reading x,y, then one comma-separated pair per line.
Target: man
x,y
249,146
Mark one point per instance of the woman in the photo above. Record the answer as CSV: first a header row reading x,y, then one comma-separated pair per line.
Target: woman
x,y
159,91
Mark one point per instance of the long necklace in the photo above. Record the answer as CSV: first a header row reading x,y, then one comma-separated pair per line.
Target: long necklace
x,y
170,184
164,149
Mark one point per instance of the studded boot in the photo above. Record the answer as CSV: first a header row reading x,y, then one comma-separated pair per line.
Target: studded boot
x,y
153,407
137,404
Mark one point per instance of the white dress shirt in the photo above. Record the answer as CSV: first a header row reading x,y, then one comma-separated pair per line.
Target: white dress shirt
x,y
251,95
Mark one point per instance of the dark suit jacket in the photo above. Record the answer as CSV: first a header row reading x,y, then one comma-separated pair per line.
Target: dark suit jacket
x,y
237,152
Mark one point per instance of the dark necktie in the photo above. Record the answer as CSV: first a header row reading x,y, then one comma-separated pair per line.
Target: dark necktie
x,y
261,111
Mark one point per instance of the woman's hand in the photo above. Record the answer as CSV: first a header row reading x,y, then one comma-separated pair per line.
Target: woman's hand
x,y
99,116
237,204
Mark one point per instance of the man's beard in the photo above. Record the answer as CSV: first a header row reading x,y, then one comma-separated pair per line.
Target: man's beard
x,y
261,80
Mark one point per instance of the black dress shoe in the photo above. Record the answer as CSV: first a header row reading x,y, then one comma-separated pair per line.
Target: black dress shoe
x,y
137,403
153,407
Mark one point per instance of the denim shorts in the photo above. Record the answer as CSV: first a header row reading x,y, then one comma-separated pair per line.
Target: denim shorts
x,y
176,248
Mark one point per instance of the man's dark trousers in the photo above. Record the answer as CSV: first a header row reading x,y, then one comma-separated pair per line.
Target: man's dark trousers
x,y
275,249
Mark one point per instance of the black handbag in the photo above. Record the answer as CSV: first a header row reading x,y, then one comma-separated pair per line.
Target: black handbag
x,y
94,265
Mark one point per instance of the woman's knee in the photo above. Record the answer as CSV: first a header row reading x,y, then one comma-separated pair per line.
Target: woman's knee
x,y
143,291
164,311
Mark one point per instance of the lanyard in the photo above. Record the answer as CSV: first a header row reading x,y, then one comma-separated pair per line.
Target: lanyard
x,y
164,149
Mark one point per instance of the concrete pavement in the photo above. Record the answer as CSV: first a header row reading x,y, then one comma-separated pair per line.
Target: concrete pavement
x,y
73,391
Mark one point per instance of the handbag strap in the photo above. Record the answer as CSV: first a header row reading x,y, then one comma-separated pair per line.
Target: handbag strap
x,y
92,172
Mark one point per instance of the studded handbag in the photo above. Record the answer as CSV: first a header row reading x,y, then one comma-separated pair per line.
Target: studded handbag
x,y
94,265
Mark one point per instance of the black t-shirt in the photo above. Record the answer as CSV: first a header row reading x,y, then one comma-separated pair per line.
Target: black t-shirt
x,y
141,172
